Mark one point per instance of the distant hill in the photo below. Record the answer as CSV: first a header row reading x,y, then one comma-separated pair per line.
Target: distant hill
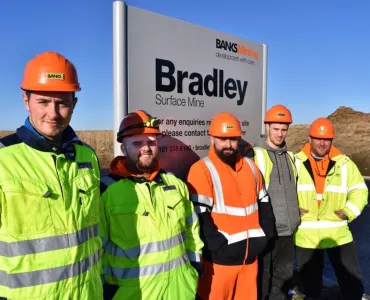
x,y
352,137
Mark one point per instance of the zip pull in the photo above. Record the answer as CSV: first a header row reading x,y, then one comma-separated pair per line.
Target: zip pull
x,y
47,194
145,213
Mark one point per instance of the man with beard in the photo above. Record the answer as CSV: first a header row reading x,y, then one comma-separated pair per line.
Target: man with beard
x,y
49,193
234,212
331,193
149,228
276,265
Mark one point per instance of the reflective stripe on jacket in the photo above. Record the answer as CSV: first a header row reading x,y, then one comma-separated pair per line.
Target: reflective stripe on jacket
x,y
280,177
228,203
49,209
150,233
265,165
344,189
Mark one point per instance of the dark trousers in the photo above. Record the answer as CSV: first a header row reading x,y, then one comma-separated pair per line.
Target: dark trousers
x,y
276,267
345,264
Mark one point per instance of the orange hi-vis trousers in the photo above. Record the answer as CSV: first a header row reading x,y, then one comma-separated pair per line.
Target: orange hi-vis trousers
x,y
222,282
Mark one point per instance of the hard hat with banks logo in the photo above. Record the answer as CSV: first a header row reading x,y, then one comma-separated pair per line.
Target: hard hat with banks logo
x,y
322,128
278,114
225,125
50,72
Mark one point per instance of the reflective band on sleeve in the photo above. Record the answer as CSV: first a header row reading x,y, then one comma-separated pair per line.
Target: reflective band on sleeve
x,y
353,208
322,224
128,273
114,250
201,209
360,186
201,199
241,236
49,243
192,218
28,279
263,196
193,256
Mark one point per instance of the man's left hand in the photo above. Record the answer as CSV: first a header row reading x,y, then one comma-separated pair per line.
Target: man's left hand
x,y
341,215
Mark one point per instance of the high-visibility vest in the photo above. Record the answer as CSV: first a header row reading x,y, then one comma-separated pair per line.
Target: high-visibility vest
x,y
49,207
344,189
264,163
150,232
235,222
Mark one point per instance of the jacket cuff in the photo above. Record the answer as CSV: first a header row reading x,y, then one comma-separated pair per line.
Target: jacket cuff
x,y
349,213
194,256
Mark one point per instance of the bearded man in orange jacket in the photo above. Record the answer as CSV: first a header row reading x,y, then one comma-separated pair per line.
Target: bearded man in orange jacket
x,y
234,212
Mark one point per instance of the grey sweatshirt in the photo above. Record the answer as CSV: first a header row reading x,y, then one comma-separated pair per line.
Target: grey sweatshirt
x,y
282,189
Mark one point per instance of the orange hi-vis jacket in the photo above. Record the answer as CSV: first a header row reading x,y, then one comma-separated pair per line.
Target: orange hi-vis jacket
x,y
234,210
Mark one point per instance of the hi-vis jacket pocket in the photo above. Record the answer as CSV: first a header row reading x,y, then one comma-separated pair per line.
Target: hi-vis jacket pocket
x,y
176,211
27,207
130,224
89,197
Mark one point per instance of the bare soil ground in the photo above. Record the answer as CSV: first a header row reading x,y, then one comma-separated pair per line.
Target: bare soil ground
x,y
352,130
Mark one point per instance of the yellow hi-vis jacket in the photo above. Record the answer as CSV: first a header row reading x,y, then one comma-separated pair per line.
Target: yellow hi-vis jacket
x,y
49,211
265,164
344,189
150,233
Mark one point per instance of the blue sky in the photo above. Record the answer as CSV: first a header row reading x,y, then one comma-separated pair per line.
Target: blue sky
x,y
318,50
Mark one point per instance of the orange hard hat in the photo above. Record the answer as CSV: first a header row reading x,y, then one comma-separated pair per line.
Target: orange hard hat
x,y
138,122
50,71
225,125
278,114
322,128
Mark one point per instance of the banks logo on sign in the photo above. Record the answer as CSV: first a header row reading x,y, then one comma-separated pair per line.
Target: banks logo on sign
x,y
236,48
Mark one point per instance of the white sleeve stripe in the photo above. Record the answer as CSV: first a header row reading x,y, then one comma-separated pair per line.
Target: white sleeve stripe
x,y
360,186
353,208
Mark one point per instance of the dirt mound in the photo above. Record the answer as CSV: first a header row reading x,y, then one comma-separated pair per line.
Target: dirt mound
x,y
352,136
347,115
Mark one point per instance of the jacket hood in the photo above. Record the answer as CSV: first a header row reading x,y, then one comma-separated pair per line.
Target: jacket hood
x,y
118,167
262,143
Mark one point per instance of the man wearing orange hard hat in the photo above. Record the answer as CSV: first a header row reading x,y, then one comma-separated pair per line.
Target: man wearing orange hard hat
x,y
234,213
149,228
276,264
49,193
331,194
